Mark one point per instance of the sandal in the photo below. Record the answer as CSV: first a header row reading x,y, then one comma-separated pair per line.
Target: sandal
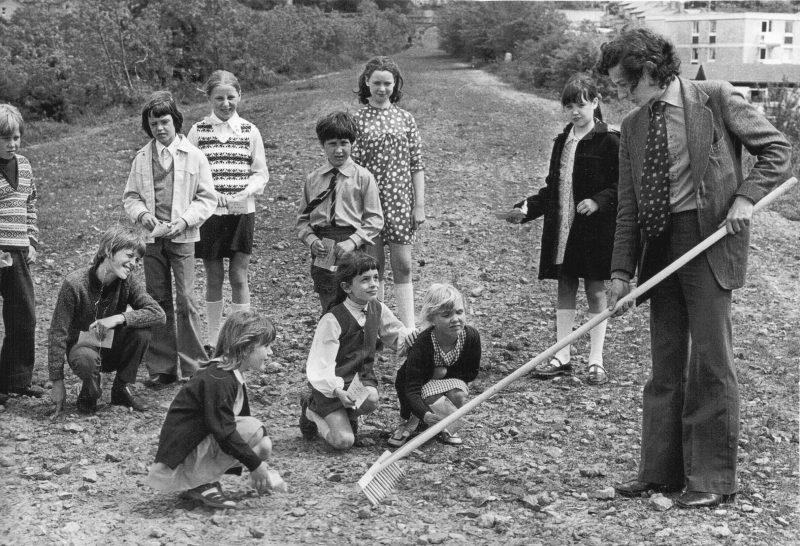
x,y
554,367
597,375
450,439
400,436
211,495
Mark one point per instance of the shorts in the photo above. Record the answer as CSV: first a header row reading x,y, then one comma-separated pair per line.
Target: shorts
x,y
222,236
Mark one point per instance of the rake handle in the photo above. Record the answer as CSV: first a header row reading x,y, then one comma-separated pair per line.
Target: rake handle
x,y
435,429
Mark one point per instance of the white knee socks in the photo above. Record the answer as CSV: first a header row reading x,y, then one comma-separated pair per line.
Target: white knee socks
x,y
214,319
565,319
404,296
597,336
322,425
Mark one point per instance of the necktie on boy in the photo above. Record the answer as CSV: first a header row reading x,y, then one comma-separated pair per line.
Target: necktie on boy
x,y
332,190
654,206
166,159
314,203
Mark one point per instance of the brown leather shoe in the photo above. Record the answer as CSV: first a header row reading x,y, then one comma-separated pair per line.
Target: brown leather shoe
x,y
122,395
699,499
635,488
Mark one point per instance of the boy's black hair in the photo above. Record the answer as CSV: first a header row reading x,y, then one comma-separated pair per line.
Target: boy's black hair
x,y
337,125
161,103
350,266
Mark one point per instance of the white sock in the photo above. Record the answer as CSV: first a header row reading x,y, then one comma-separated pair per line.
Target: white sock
x,y
240,307
565,320
322,425
597,336
214,319
404,296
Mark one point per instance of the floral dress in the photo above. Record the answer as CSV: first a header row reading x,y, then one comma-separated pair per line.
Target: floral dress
x,y
388,144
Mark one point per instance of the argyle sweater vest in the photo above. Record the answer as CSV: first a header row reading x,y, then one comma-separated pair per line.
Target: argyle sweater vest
x,y
18,208
230,160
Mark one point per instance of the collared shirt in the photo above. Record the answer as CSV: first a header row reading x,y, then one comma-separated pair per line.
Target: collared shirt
x,y
358,203
681,185
223,131
172,149
239,403
321,364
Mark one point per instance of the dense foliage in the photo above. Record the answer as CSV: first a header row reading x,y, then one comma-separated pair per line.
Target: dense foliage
x,y
106,52
544,49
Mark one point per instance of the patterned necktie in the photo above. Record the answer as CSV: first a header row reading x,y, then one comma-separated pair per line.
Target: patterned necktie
x,y
654,207
332,189
314,203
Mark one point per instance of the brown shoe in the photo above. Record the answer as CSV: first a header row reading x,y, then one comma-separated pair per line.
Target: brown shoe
x,y
698,499
122,395
635,488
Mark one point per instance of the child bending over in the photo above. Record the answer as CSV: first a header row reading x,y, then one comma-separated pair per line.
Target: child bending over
x,y
208,430
444,358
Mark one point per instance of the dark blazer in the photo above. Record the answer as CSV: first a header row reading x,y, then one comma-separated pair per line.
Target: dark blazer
x,y
418,370
205,406
594,176
719,121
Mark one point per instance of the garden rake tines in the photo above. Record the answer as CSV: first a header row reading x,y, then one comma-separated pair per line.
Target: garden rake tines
x,y
382,477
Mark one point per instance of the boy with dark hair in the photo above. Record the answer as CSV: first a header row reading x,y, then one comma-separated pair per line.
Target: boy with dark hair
x,y
340,209
170,192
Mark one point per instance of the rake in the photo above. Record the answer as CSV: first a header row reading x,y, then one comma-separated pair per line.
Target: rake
x,y
382,477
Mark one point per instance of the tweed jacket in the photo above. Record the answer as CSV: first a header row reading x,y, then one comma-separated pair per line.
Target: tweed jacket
x,y
719,121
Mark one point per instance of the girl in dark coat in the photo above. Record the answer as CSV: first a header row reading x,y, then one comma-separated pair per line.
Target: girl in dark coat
x,y
445,357
579,204
208,430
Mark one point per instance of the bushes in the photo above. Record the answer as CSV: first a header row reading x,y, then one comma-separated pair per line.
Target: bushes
x,y
115,52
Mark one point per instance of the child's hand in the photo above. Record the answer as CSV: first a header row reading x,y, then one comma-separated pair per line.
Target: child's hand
x,y
418,213
431,418
318,249
31,254
103,325
348,245
587,207
222,200
439,372
515,216
58,394
411,337
176,228
259,478
344,397
149,221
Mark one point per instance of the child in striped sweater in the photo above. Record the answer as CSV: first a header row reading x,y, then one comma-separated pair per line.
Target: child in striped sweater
x,y
235,151
18,242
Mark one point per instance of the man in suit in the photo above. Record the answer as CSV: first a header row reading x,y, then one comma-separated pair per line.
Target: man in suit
x,y
680,178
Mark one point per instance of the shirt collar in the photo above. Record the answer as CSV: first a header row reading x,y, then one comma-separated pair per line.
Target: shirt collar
x,y
347,169
235,122
239,377
354,307
173,146
672,94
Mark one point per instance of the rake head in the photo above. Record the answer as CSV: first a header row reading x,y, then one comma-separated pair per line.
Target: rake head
x,y
380,480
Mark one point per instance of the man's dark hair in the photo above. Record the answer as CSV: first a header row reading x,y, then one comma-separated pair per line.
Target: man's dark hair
x,y
633,49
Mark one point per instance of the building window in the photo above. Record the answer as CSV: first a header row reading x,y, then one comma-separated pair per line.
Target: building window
x,y
695,55
788,36
712,39
788,39
712,27
712,54
695,27
766,26
762,53
695,39
787,27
